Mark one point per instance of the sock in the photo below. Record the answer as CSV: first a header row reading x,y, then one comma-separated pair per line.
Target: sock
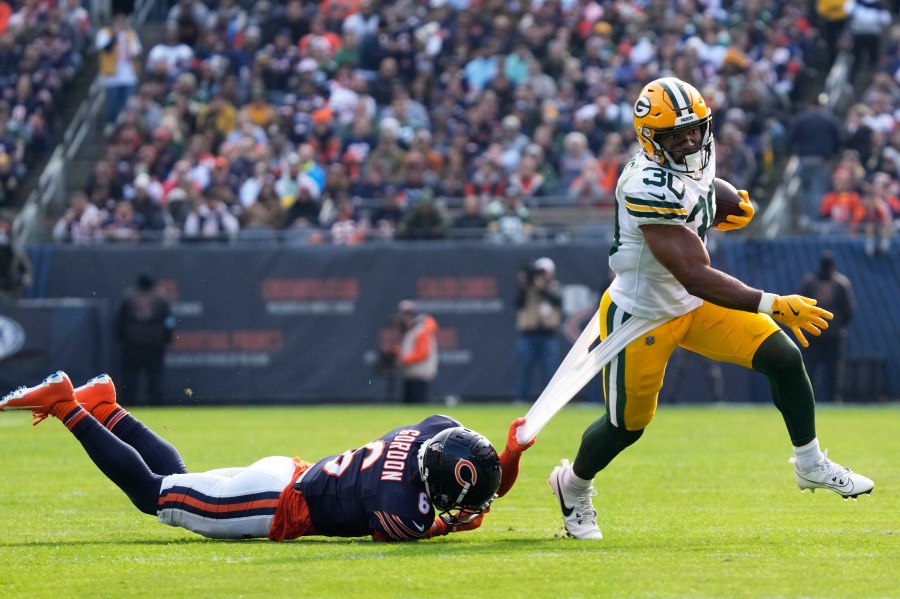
x,y
159,455
808,455
575,483
108,414
69,412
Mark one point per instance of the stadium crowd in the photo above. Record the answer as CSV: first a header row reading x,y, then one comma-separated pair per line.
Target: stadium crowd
x,y
42,47
351,120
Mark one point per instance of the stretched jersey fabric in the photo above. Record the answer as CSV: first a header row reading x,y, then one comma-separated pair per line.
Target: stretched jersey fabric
x,y
374,489
648,194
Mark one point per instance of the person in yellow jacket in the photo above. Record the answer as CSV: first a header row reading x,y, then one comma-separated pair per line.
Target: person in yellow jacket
x,y
834,14
119,50
417,357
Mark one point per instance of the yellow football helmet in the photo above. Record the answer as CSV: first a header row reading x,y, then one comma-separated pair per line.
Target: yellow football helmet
x,y
666,106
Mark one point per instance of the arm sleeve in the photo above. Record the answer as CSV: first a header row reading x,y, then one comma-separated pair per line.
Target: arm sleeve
x,y
509,466
438,528
391,527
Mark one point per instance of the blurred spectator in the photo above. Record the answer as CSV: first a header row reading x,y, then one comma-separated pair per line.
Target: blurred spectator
x,y
470,223
482,69
859,135
576,156
170,57
347,228
310,167
735,161
873,217
387,216
305,209
417,356
826,358
425,220
80,223
188,16
510,220
209,218
423,145
294,19
364,21
79,20
840,203
416,179
596,184
836,15
119,50
815,139
387,155
146,206
538,318
123,224
512,142
526,179
277,62
266,212
489,179
15,266
144,326
323,138
869,19
259,110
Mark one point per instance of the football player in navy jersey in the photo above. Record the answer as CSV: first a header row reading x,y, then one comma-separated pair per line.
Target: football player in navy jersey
x,y
415,482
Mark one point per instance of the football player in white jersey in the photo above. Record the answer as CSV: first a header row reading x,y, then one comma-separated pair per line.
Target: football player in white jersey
x,y
665,204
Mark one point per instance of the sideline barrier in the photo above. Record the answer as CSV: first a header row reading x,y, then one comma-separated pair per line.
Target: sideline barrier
x,y
302,324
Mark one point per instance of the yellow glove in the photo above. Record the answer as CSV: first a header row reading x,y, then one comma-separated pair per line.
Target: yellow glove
x,y
733,221
797,313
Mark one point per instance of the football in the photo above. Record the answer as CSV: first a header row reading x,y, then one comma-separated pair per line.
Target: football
x,y
727,200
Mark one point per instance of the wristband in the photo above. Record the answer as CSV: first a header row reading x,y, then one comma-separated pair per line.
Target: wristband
x,y
765,303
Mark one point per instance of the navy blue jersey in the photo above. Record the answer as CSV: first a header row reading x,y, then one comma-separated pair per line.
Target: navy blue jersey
x,y
374,488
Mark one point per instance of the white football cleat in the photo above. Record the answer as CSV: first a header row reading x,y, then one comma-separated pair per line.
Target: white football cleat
x,y
834,477
579,515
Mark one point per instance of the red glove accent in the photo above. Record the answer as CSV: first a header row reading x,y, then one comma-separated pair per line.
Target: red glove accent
x,y
471,525
512,444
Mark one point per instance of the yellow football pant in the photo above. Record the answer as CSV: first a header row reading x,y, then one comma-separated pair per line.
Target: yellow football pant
x,y
632,380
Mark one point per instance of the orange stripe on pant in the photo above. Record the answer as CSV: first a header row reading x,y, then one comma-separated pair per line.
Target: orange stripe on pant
x,y
169,501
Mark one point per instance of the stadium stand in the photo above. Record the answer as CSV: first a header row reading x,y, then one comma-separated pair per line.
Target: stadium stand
x,y
42,49
446,98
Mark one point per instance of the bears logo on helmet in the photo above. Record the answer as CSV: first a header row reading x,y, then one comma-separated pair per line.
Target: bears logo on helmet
x,y
473,474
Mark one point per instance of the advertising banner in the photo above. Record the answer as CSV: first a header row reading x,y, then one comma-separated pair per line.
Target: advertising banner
x,y
305,324
260,323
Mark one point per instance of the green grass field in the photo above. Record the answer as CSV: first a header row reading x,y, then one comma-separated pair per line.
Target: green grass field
x,y
705,505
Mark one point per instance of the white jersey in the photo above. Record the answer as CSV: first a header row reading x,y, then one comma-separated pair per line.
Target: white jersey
x,y
648,194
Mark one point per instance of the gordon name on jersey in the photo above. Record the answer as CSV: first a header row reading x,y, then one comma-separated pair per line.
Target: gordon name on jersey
x,y
648,194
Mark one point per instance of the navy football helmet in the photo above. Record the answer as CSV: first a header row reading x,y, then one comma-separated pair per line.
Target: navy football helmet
x,y
461,470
